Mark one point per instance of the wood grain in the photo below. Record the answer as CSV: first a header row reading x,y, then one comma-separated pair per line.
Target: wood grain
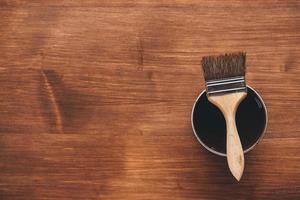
x,y
96,97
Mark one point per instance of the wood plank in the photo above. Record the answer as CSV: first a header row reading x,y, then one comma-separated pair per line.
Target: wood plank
x,y
96,96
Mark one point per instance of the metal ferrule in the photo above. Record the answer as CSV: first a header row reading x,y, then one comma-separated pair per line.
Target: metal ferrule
x,y
232,84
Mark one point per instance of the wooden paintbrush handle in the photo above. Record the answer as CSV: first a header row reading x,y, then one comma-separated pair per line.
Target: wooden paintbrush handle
x,y
234,150
228,104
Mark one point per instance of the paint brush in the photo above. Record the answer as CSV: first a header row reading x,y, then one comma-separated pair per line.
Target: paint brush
x,y
226,88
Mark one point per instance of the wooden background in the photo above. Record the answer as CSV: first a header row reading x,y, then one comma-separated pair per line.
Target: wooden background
x,y
95,98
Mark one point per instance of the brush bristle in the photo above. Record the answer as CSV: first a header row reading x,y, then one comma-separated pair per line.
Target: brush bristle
x,y
224,66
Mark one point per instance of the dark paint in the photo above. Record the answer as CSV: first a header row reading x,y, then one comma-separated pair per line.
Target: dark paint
x,y
210,126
